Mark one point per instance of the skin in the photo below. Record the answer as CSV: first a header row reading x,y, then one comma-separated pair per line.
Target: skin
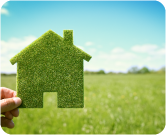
x,y
9,103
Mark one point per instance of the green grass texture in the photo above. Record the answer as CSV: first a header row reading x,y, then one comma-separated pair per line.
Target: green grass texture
x,y
114,104
51,64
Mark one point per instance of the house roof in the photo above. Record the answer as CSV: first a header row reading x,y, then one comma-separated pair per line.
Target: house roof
x,y
48,38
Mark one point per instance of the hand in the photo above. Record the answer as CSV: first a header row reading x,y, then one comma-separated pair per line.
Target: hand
x,y
9,103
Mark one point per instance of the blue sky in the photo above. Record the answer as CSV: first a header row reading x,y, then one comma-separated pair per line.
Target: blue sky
x,y
118,35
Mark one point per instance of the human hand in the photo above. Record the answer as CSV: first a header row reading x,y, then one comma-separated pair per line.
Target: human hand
x,y
9,103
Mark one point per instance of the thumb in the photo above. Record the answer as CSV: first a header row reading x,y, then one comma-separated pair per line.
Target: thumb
x,y
9,104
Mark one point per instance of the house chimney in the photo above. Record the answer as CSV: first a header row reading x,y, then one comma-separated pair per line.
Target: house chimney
x,y
68,37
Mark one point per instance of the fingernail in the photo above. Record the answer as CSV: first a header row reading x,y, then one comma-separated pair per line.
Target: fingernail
x,y
17,100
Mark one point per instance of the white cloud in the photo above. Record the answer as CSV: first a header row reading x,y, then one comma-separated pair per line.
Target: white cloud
x,y
120,60
89,43
146,48
117,59
161,51
120,63
128,55
150,50
3,50
16,44
4,11
149,58
99,46
117,50
119,54
92,51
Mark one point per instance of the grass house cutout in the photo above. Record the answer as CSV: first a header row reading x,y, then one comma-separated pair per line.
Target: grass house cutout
x,y
51,64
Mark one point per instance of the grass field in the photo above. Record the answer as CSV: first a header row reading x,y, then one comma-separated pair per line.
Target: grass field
x,y
114,104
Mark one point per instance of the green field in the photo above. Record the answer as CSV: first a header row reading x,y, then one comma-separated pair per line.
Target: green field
x,y
114,104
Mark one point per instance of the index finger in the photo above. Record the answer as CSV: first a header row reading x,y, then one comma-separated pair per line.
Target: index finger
x,y
7,93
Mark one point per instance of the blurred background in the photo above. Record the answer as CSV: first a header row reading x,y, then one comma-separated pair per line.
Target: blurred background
x,y
124,82
119,35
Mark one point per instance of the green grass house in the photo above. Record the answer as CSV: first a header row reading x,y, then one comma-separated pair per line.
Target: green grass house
x,y
51,64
